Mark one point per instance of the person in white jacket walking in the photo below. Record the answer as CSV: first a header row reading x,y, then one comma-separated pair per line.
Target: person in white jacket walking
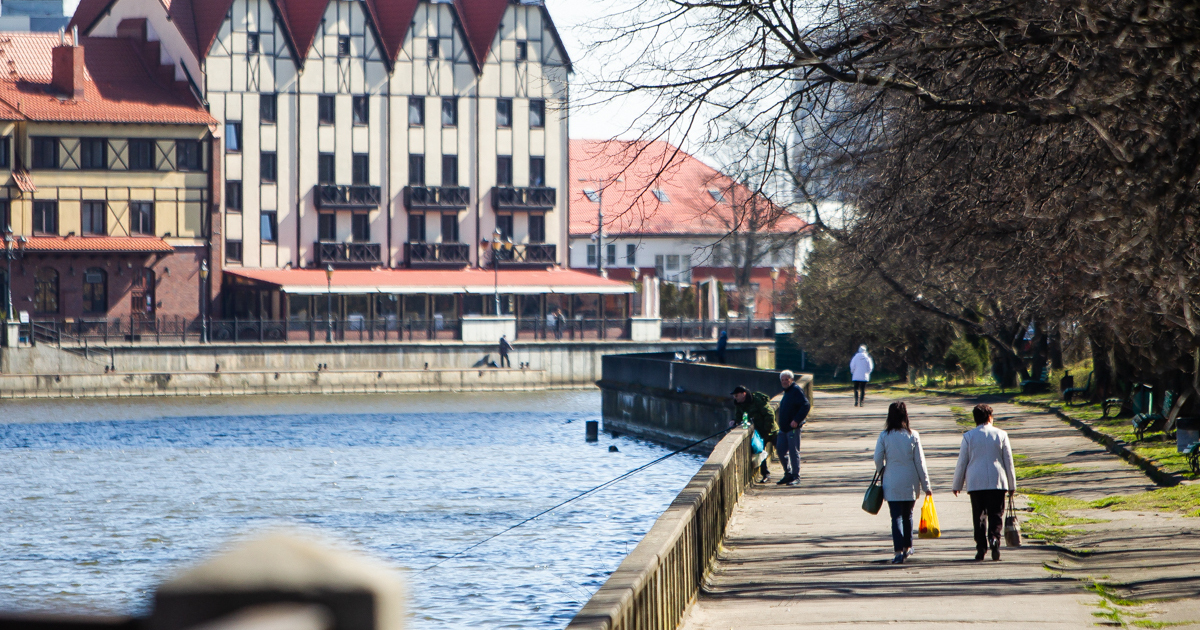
x,y
985,468
861,367
899,455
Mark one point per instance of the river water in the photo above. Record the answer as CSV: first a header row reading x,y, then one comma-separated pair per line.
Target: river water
x,y
102,500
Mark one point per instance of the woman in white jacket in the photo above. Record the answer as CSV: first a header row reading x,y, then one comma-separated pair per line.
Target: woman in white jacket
x,y
899,455
985,468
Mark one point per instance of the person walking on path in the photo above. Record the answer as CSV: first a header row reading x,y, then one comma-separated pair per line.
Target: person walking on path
x,y
505,348
861,367
985,468
899,455
756,406
793,410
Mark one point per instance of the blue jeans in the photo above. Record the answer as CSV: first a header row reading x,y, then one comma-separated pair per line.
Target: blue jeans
x,y
787,447
901,512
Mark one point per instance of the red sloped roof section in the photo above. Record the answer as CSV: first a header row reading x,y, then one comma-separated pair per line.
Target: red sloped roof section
x,y
302,19
633,207
126,244
87,13
119,86
480,20
393,19
203,18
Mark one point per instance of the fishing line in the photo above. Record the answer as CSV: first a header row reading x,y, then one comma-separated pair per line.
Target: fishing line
x,y
577,497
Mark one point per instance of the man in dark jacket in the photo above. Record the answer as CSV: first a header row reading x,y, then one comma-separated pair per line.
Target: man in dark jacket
x,y
505,348
793,410
756,406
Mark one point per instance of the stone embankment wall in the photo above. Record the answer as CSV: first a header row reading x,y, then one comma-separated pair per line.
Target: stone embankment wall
x,y
244,368
657,581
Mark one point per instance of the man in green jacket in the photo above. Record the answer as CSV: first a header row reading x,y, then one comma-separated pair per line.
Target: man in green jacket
x,y
757,407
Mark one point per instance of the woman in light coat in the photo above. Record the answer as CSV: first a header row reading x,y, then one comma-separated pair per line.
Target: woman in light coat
x,y
985,469
899,455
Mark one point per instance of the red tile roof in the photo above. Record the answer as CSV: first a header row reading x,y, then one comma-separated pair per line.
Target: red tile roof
x,y
407,281
198,21
632,206
97,244
120,86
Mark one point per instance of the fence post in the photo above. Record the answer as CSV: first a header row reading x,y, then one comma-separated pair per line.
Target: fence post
x,y
235,328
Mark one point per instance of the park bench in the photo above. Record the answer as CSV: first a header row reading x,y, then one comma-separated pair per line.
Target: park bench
x,y
1192,453
1069,393
1149,421
1038,386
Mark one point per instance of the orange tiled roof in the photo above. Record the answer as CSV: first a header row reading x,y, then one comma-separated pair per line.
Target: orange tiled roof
x,y
402,281
97,244
120,85
633,207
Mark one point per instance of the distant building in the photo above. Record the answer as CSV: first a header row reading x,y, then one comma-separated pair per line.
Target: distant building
x,y
32,15
669,215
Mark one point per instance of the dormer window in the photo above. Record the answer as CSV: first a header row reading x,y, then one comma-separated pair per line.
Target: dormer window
x,y
592,195
716,195
661,195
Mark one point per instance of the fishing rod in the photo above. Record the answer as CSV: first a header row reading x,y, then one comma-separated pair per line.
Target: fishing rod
x,y
578,497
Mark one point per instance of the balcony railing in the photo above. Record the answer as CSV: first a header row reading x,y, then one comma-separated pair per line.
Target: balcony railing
x,y
530,254
507,198
331,196
362,254
436,197
456,254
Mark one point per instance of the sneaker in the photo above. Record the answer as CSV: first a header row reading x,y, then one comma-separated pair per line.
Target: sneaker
x,y
995,550
979,554
796,481
786,479
765,479
908,553
899,559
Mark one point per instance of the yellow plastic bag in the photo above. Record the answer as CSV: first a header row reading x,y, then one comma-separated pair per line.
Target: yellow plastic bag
x,y
929,527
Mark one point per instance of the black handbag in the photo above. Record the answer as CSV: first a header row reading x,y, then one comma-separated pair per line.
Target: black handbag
x,y
873,499
1012,528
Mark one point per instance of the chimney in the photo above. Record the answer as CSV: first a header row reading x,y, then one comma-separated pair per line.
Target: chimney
x,y
68,69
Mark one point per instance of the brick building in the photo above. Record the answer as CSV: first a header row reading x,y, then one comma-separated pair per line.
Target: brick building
x,y
107,192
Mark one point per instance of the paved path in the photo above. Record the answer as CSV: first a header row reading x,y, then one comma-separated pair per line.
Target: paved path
x,y
809,556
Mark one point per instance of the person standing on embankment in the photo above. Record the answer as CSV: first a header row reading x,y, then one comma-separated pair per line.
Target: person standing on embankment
x,y
757,407
861,366
793,410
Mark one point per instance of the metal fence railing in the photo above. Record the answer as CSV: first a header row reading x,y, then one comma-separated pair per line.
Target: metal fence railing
x,y
680,328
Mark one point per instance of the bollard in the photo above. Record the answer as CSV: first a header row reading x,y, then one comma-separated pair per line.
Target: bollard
x,y
593,430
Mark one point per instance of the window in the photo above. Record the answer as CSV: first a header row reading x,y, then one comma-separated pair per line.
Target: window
x,y
449,170
537,171
416,170
141,155
141,217
95,292
504,112
591,195
449,112
45,217
91,219
93,153
233,196
268,166
45,152
537,113
343,49
327,226
326,168
504,175
449,228
187,155
416,228
537,228
5,216
361,110
251,43
5,152
435,48
45,291
505,224
326,109
631,255
268,227
360,228
233,251
361,169
610,255
416,111
268,108
522,51
661,195
718,255
672,263
233,137
716,195
591,256
659,269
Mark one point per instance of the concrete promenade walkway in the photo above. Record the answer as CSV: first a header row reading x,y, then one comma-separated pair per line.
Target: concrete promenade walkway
x,y
809,557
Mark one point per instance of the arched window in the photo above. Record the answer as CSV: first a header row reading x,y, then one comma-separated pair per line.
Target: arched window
x,y
95,292
45,291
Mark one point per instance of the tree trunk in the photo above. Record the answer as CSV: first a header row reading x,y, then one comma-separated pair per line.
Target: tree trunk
x,y
1102,372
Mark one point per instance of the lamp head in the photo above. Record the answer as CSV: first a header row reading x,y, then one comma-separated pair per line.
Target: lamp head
x,y
204,270
774,273
329,272
636,272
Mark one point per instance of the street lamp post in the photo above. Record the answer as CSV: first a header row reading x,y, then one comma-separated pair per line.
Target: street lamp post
x,y
329,304
204,301
600,185
497,243
13,248
774,277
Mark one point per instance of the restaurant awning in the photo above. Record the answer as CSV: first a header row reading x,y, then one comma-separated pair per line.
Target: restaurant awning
x,y
435,281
